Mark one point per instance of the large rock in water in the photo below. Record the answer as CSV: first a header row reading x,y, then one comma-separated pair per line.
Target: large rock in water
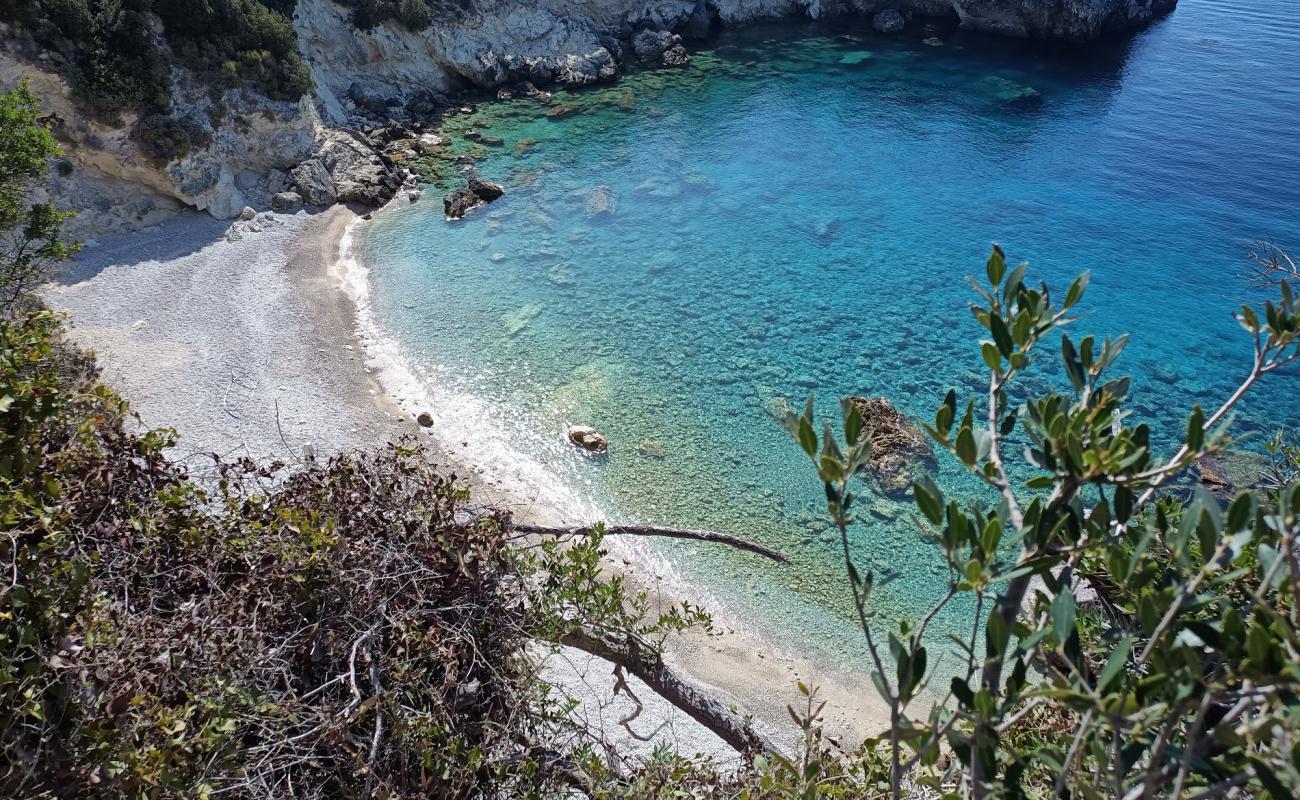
x,y
589,439
661,46
1079,20
477,192
890,20
899,449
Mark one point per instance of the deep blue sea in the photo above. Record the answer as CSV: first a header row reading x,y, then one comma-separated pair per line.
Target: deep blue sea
x,y
796,211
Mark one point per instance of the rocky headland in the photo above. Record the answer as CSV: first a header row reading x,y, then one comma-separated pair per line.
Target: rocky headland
x,y
376,88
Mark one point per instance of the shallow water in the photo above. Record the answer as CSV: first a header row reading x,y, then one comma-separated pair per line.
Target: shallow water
x,y
796,211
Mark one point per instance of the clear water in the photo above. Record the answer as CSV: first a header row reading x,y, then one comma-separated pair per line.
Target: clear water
x,y
797,211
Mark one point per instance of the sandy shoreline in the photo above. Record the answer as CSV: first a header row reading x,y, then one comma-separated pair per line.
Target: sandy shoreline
x,y
245,338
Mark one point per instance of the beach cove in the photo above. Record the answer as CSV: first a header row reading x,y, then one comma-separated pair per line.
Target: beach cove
x,y
507,351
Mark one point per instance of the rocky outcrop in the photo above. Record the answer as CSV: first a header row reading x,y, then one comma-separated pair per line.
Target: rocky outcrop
x,y
1077,20
221,151
476,192
659,46
890,20
360,175
587,438
899,450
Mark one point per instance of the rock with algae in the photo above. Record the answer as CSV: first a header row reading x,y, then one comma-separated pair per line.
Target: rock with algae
x,y
899,450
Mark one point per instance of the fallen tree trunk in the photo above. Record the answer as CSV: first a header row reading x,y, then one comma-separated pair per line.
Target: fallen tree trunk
x,y
652,530
649,667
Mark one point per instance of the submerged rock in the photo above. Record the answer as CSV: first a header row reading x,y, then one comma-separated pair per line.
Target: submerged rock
x,y
600,202
889,20
517,320
899,449
588,438
651,449
561,111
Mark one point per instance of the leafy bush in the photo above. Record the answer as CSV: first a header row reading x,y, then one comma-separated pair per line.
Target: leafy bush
x,y
345,630
163,138
415,15
115,63
30,238
1185,682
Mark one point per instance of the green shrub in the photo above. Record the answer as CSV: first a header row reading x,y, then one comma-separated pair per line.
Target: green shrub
x,y
416,15
115,64
164,139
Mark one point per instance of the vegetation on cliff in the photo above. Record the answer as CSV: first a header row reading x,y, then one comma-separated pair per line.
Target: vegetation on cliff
x,y
117,59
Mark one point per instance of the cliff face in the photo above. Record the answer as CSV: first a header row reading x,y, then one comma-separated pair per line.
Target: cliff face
x,y
245,147
1077,20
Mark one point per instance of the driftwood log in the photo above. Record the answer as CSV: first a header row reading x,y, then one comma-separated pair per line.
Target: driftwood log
x,y
729,726
646,664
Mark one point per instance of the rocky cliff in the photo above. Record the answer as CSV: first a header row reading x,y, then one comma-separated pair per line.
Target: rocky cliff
x,y
242,148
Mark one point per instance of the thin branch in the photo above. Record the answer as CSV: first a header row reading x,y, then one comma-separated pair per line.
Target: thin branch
x,y
653,530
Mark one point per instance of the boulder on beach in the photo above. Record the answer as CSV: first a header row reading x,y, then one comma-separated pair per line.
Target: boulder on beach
x,y
899,449
247,214
888,20
588,438
312,182
424,419
286,202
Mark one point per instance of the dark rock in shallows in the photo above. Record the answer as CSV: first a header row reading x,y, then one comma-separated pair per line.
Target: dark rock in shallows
x,y
476,193
424,420
899,450
588,439
286,202
459,203
650,44
675,56
889,20
486,190
661,46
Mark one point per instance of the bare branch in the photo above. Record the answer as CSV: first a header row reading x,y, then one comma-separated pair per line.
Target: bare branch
x,y
649,667
652,530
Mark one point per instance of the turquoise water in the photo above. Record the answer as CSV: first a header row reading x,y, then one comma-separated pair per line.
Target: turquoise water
x,y
797,211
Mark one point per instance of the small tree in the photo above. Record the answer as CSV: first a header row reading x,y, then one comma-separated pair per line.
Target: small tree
x,y
1186,683
31,238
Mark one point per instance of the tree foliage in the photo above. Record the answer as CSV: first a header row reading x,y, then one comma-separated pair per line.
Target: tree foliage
x,y
31,239
115,62
1185,682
